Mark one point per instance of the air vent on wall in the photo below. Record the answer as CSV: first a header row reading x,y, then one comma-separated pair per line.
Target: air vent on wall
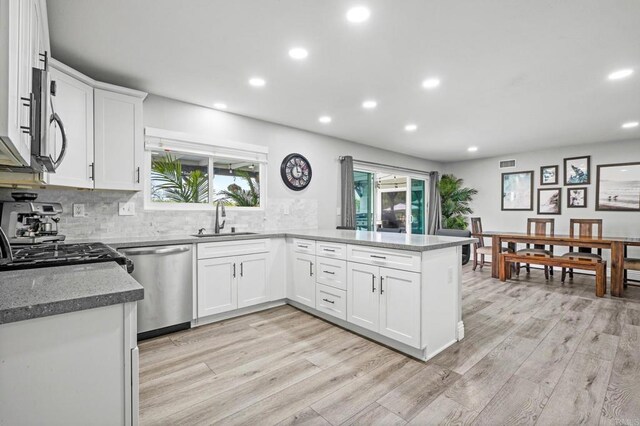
x,y
507,164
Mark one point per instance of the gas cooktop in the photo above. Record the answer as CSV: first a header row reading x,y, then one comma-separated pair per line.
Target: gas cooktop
x,y
54,254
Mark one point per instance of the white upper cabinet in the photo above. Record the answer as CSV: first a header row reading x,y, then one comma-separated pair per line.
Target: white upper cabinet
x,y
73,102
119,140
24,37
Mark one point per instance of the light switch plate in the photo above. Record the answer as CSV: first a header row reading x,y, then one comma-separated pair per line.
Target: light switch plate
x,y
78,210
126,209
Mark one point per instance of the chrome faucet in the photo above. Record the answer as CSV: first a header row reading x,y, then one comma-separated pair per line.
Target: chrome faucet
x,y
224,214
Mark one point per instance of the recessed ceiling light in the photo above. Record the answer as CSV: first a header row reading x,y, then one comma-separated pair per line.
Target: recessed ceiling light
x,y
370,104
220,105
617,75
325,119
431,83
472,149
630,125
298,53
411,127
358,14
257,81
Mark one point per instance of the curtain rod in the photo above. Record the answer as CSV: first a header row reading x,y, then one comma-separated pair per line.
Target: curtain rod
x,y
371,163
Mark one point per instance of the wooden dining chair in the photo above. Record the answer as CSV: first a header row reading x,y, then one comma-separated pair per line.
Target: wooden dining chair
x,y
541,227
630,264
479,249
585,228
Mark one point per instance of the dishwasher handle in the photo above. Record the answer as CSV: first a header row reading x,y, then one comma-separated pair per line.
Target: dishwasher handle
x,y
151,250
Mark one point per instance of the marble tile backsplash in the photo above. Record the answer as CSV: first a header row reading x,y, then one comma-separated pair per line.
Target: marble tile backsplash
x,y
102,220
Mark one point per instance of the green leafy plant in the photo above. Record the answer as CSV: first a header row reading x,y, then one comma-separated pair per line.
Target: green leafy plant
x,y
455,202
234,195
171,184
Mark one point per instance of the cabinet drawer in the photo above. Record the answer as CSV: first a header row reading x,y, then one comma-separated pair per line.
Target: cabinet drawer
x,y
331,272
232,248
334,250
398,259
304,246
331,301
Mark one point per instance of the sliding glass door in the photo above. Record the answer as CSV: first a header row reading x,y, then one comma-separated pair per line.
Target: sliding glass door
x,y
388,202
364,194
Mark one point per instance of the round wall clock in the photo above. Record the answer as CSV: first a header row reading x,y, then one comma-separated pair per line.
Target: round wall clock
x,y
296,172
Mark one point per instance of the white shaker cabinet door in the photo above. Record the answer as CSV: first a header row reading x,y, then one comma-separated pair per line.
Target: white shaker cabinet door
x,y
400,306
74,104
217,286
363,295
304,281
252,279
118,141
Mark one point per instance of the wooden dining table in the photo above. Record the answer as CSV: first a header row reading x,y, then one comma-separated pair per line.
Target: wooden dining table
x,y
615,244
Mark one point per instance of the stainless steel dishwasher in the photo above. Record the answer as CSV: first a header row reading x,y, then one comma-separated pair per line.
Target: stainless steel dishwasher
x,y
166,273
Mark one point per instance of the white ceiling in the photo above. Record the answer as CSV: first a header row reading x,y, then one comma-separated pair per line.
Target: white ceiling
x,y
516,74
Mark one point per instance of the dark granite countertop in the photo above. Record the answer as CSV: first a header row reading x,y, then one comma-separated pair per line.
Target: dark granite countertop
x,y
41,292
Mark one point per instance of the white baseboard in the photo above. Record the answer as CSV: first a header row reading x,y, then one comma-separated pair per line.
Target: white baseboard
x,y
460,330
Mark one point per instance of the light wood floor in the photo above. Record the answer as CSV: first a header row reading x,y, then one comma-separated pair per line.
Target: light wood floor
x,y
534,352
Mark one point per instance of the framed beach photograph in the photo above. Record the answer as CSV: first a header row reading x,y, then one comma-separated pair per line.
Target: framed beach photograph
x,y
517,191
577,170
549,200
618,187
549,175
577,197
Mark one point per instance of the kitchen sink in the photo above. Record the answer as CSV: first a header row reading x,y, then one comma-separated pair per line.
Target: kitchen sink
x,y
223,235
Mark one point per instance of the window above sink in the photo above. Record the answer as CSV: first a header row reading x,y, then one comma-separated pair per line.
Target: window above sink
x,y
187,172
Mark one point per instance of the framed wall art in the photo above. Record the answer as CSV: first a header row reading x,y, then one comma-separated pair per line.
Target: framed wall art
x,y
577,197
549,175
549,200
577,170
517,191
618,187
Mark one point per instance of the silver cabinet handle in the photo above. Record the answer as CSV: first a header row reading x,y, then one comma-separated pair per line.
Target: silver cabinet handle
x,y
373,283
381,290
92,166
138,175
310,269
234,270
302,246
329,301
143,251
331,250
378,257
329,272
242,269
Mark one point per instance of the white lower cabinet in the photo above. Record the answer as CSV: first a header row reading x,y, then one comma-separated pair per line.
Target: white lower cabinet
x,y
331,301
252,280
363,295
217,286
228,283
303,284
384,300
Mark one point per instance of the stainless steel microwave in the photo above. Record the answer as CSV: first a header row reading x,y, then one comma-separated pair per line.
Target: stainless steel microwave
x,y
41,117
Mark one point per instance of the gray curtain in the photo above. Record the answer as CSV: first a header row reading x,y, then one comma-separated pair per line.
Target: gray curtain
x,y
435,215
348,217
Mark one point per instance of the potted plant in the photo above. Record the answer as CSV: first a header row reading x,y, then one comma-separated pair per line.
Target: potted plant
x,y
455,201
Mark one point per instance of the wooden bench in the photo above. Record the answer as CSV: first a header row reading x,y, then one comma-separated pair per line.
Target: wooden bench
x,y
598,266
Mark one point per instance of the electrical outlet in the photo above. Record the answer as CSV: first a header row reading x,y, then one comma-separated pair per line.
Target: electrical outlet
x,y
126,209
78,210
338,211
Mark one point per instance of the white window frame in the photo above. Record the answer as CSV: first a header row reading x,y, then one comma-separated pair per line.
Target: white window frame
x,y
159,140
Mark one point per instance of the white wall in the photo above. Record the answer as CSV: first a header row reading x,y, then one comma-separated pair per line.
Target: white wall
x,y
321,151
485,176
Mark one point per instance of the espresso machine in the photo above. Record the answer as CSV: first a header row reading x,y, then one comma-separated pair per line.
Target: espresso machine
x,y
27,222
